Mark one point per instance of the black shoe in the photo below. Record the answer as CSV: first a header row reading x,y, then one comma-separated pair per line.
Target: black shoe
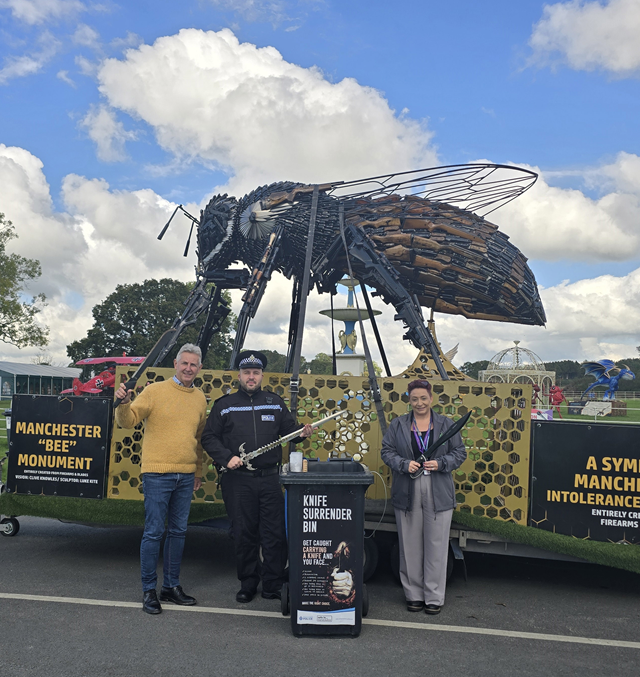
x,y
415,606
432,609
275,594
245,596
176,595
150,603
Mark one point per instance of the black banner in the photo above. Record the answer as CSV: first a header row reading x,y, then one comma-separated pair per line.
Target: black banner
x,y
586,480
59,445
331,555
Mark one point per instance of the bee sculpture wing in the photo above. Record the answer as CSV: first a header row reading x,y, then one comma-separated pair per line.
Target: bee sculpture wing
x,y
479,188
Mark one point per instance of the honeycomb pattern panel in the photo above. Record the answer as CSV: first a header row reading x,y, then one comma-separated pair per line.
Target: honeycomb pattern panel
x,y
492,482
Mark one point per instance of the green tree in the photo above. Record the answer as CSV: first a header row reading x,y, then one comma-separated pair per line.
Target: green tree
x,y
473,368
376,368
566,370
18,324
134,316
275,360
321,364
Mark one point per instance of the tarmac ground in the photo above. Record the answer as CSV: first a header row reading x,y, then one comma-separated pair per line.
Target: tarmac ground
x,y
70,605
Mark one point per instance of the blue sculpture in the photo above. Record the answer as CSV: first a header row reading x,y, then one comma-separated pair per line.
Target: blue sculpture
x,y
601,371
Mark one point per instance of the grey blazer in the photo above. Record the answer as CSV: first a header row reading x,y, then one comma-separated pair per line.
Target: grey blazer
x,y
397,453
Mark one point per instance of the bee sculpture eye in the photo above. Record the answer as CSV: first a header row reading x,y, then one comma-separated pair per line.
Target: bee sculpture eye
x,y
256,222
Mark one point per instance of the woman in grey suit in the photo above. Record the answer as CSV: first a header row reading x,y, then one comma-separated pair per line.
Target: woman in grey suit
x,y
423,505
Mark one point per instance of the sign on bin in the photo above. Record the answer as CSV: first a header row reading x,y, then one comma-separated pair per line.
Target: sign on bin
x,y
327,591
325,528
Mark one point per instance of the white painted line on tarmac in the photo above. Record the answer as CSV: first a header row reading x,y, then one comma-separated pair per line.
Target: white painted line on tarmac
x,y
536,636
505,633
138,605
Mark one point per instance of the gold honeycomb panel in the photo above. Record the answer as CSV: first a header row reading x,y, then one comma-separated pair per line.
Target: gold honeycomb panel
x,y
493,481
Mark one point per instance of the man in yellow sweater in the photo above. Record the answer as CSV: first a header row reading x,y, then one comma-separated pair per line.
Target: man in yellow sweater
x,y
175,414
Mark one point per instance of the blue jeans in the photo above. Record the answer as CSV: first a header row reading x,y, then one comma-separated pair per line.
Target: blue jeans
x,y
167,496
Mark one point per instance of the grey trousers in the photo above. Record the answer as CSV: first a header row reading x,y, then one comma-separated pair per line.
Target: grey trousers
x,y
424,546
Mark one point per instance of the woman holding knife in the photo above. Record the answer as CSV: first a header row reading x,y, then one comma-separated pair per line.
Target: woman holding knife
x,y
423,496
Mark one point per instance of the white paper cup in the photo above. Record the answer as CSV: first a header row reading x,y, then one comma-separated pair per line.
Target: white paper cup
x,y
295,461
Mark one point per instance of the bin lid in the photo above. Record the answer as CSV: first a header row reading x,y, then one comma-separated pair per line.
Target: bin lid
x,y
330,472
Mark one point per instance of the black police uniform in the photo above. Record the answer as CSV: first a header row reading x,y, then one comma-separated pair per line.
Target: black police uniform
x,y
253,498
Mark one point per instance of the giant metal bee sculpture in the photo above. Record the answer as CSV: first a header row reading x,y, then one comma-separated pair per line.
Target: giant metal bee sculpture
x,y
413,237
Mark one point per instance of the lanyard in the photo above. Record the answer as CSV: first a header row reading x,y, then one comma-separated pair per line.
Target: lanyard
x,y
422,443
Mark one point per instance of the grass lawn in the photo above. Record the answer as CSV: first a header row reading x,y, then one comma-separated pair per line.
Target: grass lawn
x,y
93,511
633,414
608,554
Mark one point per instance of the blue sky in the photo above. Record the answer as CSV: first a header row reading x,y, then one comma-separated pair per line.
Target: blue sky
x,y
112,113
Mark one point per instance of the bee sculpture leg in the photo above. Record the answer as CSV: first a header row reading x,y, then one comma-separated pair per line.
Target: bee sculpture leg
x,y
199,300
217,314
374,269
255,290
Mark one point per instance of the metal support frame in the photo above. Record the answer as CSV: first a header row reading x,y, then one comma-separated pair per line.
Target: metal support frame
x,y
374,324
304,293
198,301
217,314
293,324
334,361
373,381
255,291
374,269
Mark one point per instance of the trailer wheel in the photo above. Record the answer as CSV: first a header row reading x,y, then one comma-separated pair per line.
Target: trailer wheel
x,y
284,599
9,526
365,601
371,557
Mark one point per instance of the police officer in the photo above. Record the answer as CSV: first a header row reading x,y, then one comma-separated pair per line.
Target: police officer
x,y
253,498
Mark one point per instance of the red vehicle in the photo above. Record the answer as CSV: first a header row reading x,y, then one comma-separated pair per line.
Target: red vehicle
x,y
105,380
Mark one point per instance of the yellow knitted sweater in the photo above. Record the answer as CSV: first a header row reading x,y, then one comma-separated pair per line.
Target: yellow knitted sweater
x,y
175,418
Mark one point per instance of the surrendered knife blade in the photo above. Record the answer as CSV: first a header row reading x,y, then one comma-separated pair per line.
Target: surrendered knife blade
x,y
148,361
428,454
453,430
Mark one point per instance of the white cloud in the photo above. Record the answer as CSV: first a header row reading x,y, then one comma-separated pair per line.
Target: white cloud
x,y
211,98
64,76
107,237
590,35
86,36
269,329
26,201
130,40
587,320
39,11
275,12
553,223
28,64
104,238
131,221
107,133
86,66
